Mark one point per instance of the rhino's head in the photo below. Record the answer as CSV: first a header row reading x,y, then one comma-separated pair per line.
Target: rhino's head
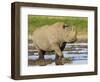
x,y
69,33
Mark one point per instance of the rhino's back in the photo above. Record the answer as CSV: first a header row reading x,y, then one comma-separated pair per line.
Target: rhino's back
x,y
45,37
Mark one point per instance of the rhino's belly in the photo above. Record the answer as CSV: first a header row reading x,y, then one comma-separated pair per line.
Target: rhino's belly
x,y
44,45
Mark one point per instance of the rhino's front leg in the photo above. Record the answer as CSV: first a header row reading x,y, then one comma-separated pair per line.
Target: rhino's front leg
x,y
62,46
59,55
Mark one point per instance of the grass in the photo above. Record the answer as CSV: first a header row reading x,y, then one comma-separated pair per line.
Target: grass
x,y
35,22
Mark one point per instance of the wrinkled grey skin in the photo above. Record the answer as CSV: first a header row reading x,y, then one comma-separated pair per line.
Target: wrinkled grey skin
x,y
53,37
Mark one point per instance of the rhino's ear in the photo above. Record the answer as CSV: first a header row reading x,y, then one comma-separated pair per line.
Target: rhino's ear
x,y
65,26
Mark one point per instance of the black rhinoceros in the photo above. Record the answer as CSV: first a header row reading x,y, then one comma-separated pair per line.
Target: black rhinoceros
x,y
53,37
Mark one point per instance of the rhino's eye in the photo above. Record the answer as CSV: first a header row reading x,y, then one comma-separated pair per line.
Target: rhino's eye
x,y
65,25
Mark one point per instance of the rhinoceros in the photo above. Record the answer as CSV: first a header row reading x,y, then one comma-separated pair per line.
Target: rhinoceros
x,y
53,38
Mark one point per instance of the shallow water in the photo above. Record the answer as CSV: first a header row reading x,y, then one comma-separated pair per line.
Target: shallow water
x,y
78,53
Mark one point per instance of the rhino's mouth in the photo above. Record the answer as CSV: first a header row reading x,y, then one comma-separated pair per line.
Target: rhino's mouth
x,y
73,41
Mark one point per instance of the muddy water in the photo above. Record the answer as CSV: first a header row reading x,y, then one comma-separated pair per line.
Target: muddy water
x,y
77,53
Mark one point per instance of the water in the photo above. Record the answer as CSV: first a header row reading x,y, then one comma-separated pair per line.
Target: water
x,y
78,53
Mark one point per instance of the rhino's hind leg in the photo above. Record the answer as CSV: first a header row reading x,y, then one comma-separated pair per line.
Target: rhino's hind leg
x,y
41,54
41,60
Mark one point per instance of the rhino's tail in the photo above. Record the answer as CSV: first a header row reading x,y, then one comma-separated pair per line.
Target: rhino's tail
x,y
31,42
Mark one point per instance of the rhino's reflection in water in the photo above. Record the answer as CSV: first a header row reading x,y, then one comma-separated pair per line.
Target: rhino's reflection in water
x,y
76,53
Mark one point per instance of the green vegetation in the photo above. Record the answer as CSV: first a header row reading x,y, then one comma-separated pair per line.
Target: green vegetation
x,y
38,21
